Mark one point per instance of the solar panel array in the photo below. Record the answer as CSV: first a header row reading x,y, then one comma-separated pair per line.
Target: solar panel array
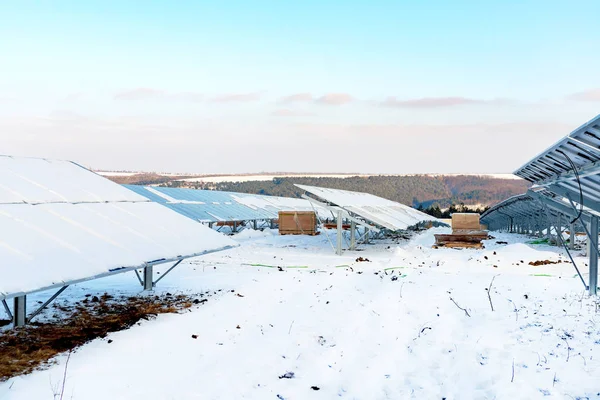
x,y
61,223
565,192
565,177
216,206
377,210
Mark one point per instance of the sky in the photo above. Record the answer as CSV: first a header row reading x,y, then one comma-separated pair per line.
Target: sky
x,y
296,86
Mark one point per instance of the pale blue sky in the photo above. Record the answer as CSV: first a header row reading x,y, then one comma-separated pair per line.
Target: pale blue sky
x,y
170,80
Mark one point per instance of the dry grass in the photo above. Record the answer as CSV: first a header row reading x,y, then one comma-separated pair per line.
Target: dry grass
x,y
26,349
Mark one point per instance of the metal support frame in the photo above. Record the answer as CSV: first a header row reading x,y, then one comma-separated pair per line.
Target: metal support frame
x,y
166,272
147,281
352,235
7,309
572,236
50,300
340,232
20,311
148,284
594,257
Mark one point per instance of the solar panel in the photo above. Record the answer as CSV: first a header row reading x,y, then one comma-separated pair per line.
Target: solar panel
x,y
215,206
377,210
571,167
62,224
566,183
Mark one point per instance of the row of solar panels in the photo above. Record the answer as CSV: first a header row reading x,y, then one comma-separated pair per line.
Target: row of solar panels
x,y
216,206
61,224
565,180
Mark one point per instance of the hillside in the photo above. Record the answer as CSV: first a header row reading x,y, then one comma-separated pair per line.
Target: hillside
x,y
416,190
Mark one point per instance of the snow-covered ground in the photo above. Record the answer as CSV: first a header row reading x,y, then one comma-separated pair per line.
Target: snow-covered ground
x,y
390,328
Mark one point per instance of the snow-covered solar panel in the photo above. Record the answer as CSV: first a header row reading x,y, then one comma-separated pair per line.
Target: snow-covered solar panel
x,y
215,206
381,212
61,224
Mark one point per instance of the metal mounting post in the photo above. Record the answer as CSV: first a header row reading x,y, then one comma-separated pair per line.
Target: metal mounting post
x,y
593,239
19,311
352,235
572,237
148,284
254,225
340,232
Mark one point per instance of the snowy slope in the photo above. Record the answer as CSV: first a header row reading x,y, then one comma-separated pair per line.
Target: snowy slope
x,y
384,329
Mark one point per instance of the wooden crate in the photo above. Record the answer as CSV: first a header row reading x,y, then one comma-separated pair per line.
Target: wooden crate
x,y
465,221
297,223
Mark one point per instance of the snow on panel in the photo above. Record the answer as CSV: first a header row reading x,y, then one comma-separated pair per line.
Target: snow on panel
x,y
37,181
382,212
214,206
50,243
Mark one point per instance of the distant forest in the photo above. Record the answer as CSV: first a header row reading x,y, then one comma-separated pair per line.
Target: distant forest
x,y
428,193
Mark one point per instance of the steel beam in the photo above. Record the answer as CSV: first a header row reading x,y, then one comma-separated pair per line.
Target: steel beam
x,y
148,272
593,239
340,232
7,309
20,311
166,272
50,300
352,235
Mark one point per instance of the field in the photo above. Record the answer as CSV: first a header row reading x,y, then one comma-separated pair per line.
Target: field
x,y
288,319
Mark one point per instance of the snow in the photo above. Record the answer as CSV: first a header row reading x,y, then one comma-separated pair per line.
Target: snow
x,y
70,224
383,329
213,205
38,181
383,212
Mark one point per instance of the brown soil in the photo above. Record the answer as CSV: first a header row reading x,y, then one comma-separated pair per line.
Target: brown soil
x,y
544,262
23,350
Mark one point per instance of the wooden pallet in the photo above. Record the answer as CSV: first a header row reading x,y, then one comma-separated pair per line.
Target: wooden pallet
x,y
459,245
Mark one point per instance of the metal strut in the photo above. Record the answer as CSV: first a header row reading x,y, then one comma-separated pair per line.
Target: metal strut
x,y
50,300
167,271
7,309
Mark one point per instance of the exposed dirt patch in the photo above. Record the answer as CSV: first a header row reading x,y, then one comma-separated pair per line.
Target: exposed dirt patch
x,y
544,262
23,350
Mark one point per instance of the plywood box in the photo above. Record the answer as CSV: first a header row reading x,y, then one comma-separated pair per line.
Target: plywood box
x,y
297,223
465,221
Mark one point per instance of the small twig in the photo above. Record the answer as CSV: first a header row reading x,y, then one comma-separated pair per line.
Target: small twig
x,y
489,292
554,380
512,378
423,329
401,289
290,330
568,349
62,390
466,312
515,310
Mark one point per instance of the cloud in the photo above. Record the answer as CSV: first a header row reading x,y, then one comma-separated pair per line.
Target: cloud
x,y
190,97
335,99
285,112
438,102
156,94
296,98
140,94
236,98
588,95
